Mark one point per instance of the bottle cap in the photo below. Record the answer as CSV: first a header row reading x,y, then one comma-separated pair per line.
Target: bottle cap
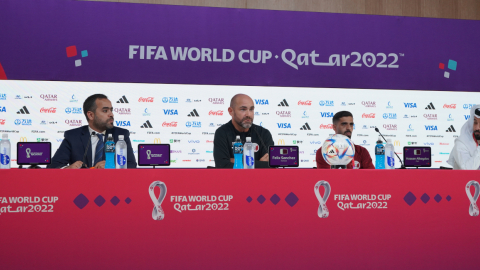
x,y
120,137
249,139
4,136
389,140
379,139
238,137
110,136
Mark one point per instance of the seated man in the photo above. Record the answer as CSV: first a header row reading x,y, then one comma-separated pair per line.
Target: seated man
x,y
99,113
465,154
343,124
242,110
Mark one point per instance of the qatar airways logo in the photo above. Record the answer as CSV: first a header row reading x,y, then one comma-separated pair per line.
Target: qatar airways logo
x,y
369,104
216,100
390,126
49,110
450,106
430,116
48,97
147,99
305,103
171,124
123,111
74,123
218,113
284,113
369,115
329,126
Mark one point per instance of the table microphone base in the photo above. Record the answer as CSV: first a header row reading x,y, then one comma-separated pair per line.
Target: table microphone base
x,y
338,166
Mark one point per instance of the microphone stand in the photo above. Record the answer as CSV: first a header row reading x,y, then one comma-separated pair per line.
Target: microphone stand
x,y
401,162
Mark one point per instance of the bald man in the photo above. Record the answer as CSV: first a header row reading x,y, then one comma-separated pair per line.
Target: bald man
x,y
242,110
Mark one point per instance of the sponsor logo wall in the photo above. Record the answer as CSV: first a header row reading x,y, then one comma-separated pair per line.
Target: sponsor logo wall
x,y
186,116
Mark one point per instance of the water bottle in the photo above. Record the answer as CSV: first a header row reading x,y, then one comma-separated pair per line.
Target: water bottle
x,y
238,153
109,153
249,154
121,151
5,152
389,155
379,154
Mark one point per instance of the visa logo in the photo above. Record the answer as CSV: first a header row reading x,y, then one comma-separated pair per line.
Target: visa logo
x,y
284,125
3,109
410,105
170,112
122,123
261,101
467,117
326,114
431,127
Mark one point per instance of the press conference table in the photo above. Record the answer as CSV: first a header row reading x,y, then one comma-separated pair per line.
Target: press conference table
x,y
230,219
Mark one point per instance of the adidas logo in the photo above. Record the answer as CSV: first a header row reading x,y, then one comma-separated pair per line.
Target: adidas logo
x,y
146,125
193,113
451,129
430,107
123,99
283,103
23,110
305,127
331,151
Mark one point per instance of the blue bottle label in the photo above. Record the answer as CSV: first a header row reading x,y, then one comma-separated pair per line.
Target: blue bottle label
x,y
4,159
391,161
238,149
249,160
121,160
109,147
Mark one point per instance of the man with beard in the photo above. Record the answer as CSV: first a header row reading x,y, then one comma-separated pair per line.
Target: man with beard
x,y
99,113
343,124
242,110
466,153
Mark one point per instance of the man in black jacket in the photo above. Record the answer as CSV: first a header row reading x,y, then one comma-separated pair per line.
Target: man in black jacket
x,y
242,110
71,154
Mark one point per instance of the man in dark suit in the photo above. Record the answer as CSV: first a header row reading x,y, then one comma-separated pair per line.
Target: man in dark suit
x,y
99,113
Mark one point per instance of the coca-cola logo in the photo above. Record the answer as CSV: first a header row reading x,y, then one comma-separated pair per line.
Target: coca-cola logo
x,y
216,100
147,99
2,121
48,97
122,110
390,126
284,113
219,112
368,115
329,126
48,110
73,123
171,124
430,116
305,103
450,106
370,104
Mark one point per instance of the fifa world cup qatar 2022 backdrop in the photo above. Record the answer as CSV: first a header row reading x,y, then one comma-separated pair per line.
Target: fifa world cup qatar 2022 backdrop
x,y
186,116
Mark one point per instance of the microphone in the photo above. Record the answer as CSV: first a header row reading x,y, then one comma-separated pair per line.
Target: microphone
x,y
401,162
86,149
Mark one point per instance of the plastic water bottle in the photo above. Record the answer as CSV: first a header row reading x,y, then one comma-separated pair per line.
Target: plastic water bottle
x,y
121,151
379,154
249,154
110,153
238,153
5,152
389,155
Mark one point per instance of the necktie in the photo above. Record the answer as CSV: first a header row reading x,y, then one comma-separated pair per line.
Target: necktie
x,y
99,149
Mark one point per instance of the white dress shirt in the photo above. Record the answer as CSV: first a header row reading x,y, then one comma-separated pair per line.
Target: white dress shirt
x,y
95,140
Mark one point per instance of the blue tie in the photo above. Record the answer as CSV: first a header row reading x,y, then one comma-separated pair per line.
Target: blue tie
x,y
99,149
